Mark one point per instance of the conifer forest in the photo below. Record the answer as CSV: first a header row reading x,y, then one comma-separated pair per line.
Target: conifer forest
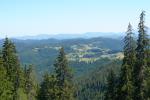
x,y
127,78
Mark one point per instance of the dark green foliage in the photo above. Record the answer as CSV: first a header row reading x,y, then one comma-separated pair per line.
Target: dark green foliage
x,y
141,69
125,86
92,85
133,83
10,59
64,77
30,83
48,88
5,84
13,70
102,79
11,64
111,86
60,85
81,68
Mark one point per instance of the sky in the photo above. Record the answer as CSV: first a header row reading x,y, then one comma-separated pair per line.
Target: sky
x,y
33,17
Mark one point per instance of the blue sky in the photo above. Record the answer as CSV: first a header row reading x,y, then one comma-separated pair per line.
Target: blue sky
x,y
32,17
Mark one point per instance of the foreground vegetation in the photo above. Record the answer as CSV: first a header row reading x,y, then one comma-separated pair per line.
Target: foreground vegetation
x,y
134,79
112,81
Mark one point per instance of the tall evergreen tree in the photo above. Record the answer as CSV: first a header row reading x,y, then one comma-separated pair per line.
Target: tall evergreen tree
x,y
125,87
63,77
141,69
5,84
111,86
10,58
48,88
58,86
12,65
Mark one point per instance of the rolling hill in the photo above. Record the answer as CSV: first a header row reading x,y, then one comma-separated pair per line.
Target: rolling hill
x,y
83,54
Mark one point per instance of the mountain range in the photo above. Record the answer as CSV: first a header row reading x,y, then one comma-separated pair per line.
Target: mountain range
x,y
72,35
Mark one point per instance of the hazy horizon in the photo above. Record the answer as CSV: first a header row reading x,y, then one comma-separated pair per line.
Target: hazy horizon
x,y
34,17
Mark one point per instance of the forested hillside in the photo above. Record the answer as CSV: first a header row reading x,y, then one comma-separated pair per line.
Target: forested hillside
x,y
83,54
92,86
77,69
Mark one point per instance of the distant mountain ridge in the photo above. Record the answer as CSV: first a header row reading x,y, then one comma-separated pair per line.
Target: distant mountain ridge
x,y
73,36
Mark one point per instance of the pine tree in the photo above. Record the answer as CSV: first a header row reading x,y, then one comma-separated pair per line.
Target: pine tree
x,y
58,86
30,83
125,87
110,93
63,77
48,88
10,58
12,65
5,84
141,69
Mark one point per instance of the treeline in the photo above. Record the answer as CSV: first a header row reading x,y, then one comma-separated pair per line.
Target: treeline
x,y
133,82
19,83
16,83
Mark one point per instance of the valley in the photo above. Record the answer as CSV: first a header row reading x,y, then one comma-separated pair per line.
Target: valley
x,y
90,53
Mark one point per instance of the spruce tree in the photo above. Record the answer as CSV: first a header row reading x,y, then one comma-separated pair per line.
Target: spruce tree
x,y
5,84
141,69
13,69
125,87
48,88
110,93
63,77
